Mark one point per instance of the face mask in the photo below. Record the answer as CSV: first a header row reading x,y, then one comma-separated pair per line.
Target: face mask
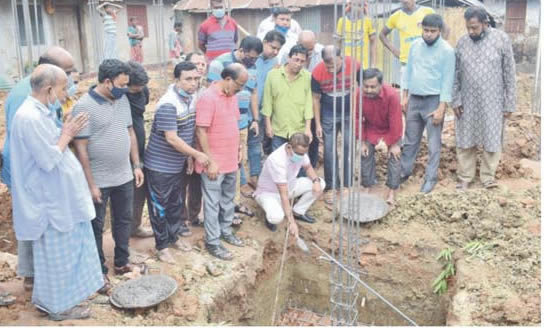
x,y
283,30
296,158
431,42
117,93
248,62
72,87
477,37
218,13
183,93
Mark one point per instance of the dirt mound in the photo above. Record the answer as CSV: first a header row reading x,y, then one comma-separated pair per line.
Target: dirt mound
x,y
506,224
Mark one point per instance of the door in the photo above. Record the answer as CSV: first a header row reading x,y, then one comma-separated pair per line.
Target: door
x,y
516,11
140,12
67,32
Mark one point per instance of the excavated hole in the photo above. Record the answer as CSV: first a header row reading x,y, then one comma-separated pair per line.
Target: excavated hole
x,y
304,292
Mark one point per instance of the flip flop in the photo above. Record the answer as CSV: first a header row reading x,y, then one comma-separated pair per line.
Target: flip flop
x,y
75,313
243,210
6,299
490,185
237,221
246,193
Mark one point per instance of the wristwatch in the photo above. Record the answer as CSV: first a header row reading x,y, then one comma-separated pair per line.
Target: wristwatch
x,y
138,166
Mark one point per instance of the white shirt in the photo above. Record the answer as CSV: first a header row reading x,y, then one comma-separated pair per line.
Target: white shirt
x,y
268,25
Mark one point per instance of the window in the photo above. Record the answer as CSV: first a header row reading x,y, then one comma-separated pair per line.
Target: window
x,y
35,29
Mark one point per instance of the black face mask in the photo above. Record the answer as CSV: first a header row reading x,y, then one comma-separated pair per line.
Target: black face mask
x,y
431,42
477,37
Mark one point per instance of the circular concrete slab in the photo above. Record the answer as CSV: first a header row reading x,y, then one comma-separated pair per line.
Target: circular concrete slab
x,y
370,207
143,292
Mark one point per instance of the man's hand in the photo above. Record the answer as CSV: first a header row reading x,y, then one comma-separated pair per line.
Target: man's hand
x,y
438,116
404,104
319,131
394,151
364,149
458,111
507,115
96,194
293,228
254,127
269,132
308,132
73,125
212,170
316,188
190,166
395,52
138,177
202,158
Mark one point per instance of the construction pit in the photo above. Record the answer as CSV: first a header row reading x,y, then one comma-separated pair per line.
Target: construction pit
x,y
397,256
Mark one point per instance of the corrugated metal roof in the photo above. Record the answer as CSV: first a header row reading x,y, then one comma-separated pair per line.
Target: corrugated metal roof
x,y
203,5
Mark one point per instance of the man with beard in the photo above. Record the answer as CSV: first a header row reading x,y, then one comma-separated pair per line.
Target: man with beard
x,y
484,95
427,87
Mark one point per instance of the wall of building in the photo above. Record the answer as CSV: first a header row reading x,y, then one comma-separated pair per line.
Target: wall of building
x,y
533,10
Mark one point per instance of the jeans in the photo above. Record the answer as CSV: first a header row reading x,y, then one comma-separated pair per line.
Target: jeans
x,y
417,120
165,206
277,141
254,144
329,155
218,196
121,222
368,169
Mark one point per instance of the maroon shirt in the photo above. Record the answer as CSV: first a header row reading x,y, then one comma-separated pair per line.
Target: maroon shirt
x,y
382,117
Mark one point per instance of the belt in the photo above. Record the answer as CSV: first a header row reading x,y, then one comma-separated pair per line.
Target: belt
x,y
424,96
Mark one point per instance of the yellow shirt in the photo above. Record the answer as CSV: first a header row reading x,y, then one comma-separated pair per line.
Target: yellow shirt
x,y
361,50
409,27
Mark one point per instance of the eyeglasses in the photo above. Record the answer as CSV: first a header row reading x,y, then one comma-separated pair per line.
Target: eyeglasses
x,y
241,85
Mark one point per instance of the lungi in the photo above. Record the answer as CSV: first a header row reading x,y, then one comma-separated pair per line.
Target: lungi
x,y
66,268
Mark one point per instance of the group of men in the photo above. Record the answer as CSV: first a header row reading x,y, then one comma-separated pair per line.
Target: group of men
x,y
225,105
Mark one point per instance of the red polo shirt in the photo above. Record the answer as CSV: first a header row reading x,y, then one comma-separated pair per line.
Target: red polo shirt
x,y
382,117
218,39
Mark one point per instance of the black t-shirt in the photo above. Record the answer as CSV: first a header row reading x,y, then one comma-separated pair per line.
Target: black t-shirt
x,y
138,101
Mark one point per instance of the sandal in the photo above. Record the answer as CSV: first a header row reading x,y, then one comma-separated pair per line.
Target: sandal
x,y
329,198
6,299
104,290
243,210
246,191
490,184
75,313
236,221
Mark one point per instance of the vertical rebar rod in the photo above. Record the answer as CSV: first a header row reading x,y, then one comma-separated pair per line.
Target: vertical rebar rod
x,y
536,91
18,50
28,30
36,22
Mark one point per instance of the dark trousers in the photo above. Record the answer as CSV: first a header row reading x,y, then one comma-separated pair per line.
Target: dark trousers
x,y
368,170
165,205
313,152
121,221
190,186
138,208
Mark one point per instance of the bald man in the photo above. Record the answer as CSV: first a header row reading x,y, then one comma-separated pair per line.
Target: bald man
x,y
52,205
61,58
308,40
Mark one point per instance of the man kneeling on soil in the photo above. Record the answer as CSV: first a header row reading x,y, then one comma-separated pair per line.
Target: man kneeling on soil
x,y
52,205
170,144
278,183
382,120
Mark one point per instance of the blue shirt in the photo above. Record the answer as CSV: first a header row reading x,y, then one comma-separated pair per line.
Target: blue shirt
x,y
263,67
15,99
244,96
48,185
430,70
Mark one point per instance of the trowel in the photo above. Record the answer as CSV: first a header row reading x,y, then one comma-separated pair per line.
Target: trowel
x,y
302,245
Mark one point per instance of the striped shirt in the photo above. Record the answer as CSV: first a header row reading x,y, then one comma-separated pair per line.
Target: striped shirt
x,y
216,38
109,140
174,113
244,96
109,24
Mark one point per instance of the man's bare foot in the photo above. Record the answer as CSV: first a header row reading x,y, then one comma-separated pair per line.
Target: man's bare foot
x,y
391,198
252,182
